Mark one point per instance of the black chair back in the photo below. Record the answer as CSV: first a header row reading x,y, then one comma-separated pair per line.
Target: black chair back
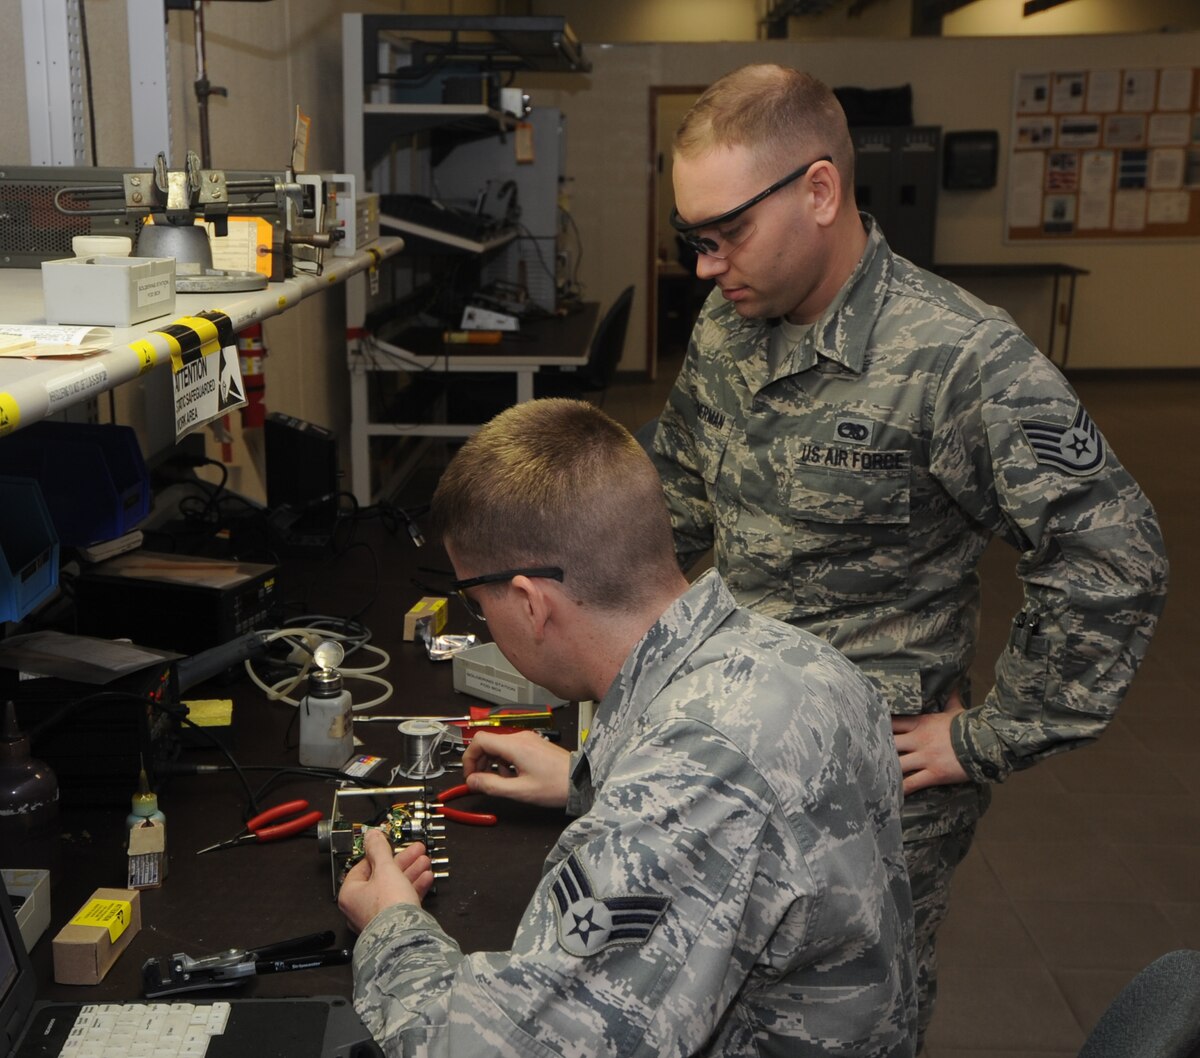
x,y
608,343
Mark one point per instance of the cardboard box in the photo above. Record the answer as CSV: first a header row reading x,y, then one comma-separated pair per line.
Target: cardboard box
x,y
32,888
430,608
88,945
108,291
485,673
147,855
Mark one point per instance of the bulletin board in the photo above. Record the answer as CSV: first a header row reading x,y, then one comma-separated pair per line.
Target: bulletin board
x,y
1105,154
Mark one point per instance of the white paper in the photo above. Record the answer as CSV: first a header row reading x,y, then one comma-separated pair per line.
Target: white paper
x,y
1168,130
1137,89
1168,207
1033,93
80,338
1104,91
1129,211
1025,190
1175,88
1166,169
1067,94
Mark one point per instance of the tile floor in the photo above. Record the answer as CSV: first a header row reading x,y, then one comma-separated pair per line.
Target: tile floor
x,y
1087,867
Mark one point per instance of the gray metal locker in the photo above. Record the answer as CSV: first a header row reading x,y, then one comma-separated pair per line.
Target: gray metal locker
x,y
897,169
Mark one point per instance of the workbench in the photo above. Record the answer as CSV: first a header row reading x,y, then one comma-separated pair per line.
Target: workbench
x,y
258,894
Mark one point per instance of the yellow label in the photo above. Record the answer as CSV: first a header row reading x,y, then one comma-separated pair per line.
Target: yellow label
x,y
147,357
10,414
175,350
112,915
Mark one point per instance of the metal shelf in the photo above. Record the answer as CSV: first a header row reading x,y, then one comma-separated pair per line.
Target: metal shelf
x,y
32,389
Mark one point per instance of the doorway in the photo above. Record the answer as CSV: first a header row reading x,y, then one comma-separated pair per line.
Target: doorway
x,y
674,293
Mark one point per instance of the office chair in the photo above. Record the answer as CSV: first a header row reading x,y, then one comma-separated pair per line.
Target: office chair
x,y
605,353
1156,1015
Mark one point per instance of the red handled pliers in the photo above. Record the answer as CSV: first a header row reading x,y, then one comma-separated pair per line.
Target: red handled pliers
x,y
475,819
266,826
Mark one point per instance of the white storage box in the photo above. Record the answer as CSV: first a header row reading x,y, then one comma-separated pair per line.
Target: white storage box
x,y
482,671
108,291
33,889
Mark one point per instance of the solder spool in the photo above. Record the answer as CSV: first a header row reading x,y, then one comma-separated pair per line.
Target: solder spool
x,y
420,749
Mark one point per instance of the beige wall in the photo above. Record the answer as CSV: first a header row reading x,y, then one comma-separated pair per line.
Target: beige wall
x,y
1136,308
678,21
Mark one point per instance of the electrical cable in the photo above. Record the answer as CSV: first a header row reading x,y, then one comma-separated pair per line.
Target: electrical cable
x,y
302,639
87,76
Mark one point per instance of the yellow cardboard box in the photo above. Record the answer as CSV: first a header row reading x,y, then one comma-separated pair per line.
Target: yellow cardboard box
x,y
431,608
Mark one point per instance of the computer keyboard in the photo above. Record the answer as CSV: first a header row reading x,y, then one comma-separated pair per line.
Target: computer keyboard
x,y
145,1030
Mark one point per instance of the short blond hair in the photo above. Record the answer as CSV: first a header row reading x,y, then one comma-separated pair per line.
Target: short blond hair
x,y
559,483
784,116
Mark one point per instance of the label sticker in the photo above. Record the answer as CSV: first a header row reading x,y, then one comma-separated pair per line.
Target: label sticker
x,y
112,915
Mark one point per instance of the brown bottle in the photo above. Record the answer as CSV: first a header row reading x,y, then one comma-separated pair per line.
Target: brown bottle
x,y
28,802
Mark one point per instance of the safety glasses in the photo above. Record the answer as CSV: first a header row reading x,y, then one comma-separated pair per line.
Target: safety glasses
x,y
460,586
719,236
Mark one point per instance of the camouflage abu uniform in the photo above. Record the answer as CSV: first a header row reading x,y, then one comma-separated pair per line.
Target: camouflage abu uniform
x,y
734,885
852,492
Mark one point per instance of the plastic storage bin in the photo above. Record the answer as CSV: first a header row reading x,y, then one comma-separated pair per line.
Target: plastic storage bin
x,y
92,475
483,672
28,548
32,889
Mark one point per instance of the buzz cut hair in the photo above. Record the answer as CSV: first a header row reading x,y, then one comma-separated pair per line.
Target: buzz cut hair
x,y
558,482
785,117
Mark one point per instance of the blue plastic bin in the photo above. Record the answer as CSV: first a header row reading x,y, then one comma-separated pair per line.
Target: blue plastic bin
x,y
28,548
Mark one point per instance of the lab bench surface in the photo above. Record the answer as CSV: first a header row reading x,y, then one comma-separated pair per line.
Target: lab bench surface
x,y
258,894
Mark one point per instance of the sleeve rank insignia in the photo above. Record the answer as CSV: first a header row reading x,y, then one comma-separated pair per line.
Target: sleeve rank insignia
x,y
588,924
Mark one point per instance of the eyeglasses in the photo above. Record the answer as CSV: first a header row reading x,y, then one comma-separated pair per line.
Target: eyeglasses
x,y
460,586
733,228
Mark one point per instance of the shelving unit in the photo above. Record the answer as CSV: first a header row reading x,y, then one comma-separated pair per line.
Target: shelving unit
x,y
30,390
398,133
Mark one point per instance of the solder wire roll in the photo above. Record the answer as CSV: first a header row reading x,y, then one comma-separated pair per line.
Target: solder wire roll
x,y
420,748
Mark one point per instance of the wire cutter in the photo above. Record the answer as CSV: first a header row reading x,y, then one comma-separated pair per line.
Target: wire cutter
x,y
266,826
474,819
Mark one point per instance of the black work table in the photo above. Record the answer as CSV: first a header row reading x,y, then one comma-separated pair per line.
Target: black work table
x,y
258,894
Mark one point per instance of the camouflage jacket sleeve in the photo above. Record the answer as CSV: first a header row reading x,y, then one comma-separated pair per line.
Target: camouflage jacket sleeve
x,y
679,465
651,963
1018,452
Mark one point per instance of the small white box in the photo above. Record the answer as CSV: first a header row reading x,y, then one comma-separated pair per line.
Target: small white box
x,y
484,672
33,888
106,291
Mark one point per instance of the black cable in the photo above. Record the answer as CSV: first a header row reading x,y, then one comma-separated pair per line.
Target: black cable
x,y
176,712
87,76
527,234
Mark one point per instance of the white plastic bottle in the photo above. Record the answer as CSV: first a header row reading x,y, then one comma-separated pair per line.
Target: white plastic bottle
x,y
326,721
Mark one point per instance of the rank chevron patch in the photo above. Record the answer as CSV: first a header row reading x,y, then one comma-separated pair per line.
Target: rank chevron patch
x,y
1077,449
588,924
